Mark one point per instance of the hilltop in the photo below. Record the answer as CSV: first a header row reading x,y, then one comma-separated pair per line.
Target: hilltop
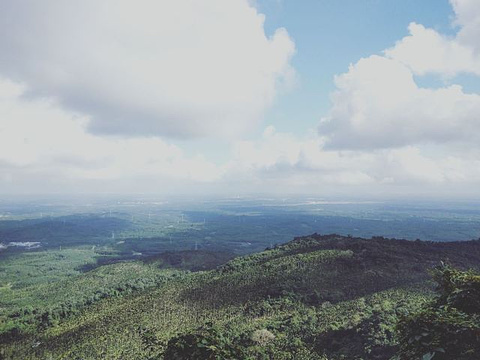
x,y
315,297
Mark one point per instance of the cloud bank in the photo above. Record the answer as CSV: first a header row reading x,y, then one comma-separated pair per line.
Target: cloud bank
x,y
179,68
286,163
190,69
44,148
379,104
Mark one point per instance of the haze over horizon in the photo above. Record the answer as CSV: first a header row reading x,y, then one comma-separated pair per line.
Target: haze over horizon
x,y
334,98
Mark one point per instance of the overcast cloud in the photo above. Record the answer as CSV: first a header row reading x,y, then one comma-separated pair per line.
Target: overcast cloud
x,y
179,68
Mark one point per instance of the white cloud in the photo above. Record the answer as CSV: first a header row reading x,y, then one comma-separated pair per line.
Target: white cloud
x,y
384,132
378,103
468,18
426,51
283,162
202,68
42,146
175,68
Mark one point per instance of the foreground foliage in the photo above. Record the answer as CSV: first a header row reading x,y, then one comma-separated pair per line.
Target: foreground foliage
x,y
449,327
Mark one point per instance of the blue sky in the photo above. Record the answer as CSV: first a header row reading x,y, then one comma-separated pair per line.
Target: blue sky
x,y
329,35
377,97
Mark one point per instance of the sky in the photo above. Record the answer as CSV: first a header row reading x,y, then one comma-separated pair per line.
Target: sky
x,y
349,98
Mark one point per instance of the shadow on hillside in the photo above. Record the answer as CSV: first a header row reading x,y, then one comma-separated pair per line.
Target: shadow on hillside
x,y
375,265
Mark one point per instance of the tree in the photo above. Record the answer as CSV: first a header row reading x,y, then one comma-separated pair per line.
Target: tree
x,y
207,343
449,327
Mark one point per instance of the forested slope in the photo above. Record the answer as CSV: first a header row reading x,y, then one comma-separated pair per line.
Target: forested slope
x,y
316,297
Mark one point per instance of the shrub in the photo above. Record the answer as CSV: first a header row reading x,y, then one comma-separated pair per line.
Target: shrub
x,y
207,343
262,337
449,327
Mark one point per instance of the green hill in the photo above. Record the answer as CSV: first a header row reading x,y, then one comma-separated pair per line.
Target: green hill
x,y
316,297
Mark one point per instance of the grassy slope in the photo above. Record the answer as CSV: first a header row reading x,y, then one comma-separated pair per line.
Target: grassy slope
x,y
307,292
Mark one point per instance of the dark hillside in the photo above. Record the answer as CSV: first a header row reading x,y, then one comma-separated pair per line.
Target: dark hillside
x,y
316,297
331,268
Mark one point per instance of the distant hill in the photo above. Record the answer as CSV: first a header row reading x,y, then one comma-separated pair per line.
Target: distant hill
x,y
316,297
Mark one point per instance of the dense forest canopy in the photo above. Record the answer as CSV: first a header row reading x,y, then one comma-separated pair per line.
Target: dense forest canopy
x,y
316,297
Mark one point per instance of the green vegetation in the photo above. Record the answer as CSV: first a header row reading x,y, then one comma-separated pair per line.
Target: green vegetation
x,y
26,269
449,326
145,227
316,297
48,286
